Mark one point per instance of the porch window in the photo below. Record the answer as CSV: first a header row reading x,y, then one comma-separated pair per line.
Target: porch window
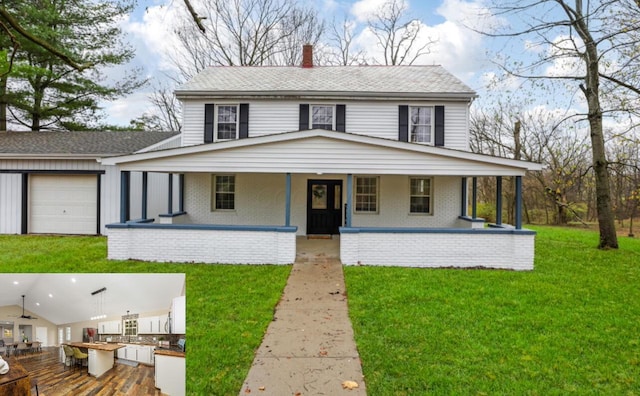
x,y
420,124
227,122
322,117
420,195
366,194
224,192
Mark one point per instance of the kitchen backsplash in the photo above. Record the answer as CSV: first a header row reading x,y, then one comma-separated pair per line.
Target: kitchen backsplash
x,y
144,339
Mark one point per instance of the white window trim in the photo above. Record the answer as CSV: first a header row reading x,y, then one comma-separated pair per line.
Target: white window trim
x,y
213,192
333,114
215,121
430,213
432,126
355,193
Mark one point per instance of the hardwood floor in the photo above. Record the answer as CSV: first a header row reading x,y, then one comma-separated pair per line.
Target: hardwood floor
x,y
53,379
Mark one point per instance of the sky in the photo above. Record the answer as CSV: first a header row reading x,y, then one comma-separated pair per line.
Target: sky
x,y
465,53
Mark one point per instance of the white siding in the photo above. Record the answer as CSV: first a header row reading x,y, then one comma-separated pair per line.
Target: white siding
x,y
10,203
325,155
193,122
51,164
372,118
268,117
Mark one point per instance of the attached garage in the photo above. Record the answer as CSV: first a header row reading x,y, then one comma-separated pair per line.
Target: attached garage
x,y
52,182
63,204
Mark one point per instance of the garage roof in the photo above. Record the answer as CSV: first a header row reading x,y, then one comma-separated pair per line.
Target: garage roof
x,y
99,143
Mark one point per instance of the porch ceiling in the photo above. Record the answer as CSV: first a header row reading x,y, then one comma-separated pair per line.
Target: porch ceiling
x,y
320,151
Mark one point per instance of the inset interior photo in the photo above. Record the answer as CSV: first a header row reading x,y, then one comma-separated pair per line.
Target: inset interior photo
x,y
83,333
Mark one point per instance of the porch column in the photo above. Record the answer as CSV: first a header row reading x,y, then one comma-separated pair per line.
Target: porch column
x,y
145,184
499,200
474,198
181,195
125,184
347,215
464,200
170,198
287,202
518,202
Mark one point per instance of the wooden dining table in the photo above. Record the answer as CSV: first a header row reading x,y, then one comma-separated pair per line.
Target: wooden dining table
x,y
15,345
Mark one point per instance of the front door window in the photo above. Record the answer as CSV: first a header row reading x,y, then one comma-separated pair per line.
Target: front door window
x,y
324,206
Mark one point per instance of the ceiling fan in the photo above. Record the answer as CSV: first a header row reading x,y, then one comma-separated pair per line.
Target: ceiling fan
x,y
23,316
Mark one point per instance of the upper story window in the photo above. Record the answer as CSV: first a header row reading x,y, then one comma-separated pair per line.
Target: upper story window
x,y
226,122
421,124
322,117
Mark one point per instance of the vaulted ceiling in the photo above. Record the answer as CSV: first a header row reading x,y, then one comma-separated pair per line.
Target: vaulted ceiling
x,y
67,298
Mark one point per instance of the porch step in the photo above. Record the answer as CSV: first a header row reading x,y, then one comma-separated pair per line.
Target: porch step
x,y
319,236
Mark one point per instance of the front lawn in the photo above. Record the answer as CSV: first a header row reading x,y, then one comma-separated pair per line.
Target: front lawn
x,y
228,307
571,326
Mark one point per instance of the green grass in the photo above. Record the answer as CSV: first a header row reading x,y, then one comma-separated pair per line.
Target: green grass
x,y
228,307
571,326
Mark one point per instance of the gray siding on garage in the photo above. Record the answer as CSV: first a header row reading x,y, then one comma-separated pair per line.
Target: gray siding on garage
x,y
10,203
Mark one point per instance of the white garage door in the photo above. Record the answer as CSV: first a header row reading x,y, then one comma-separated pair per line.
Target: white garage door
x,y
63,204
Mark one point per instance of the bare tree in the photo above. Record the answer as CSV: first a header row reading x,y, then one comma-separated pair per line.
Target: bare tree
x,y
587,43
397,35
342,51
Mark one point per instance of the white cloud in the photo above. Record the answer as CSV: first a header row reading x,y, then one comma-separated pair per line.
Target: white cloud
x,y
457,47
123,110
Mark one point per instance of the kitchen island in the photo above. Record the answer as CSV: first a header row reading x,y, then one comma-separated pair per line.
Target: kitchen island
x,y
101,355
170,372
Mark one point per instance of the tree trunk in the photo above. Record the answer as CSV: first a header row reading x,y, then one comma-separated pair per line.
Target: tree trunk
x,y
606,221
3,103
591,90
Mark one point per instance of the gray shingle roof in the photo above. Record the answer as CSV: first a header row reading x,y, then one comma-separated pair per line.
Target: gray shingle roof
x,y
419,81
78,143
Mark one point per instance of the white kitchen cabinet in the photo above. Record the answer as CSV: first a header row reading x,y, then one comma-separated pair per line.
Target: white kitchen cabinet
x,y
110,327
152,325
145,354
137,353
170,375
179,315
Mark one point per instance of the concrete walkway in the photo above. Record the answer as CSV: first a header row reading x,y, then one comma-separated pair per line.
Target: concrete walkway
x,y
308,348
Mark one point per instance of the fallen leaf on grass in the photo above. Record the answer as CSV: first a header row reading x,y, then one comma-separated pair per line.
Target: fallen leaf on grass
x,y
349,385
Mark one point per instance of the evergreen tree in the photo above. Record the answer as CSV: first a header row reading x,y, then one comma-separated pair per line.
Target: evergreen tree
x,y
44,91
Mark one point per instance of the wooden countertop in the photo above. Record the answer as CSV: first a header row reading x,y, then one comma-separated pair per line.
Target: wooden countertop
x,y
16,372
100,347
169,352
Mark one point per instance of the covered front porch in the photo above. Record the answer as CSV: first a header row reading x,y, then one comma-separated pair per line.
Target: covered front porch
x,y
368,204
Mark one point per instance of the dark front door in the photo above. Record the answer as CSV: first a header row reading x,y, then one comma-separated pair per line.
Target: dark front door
x,y
324,203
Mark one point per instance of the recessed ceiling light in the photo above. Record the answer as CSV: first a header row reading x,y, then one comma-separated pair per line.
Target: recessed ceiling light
x,y
50,295
73,280
38,304
16,282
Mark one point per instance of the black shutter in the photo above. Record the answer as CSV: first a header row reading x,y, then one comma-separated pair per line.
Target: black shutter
x,y
244,121
304,117
403,123
439,126
208,122
341,122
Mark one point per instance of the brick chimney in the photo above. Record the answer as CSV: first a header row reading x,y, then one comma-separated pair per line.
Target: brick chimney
x,y
307,55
